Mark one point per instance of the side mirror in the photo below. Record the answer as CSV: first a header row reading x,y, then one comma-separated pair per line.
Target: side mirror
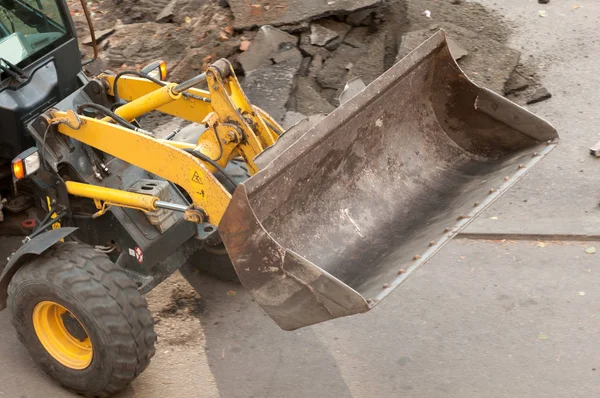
x,y
156,70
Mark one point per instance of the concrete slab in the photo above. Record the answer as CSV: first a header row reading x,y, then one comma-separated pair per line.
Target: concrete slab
x,y
270,87
280,12
308,99
271,63
320,35
266,44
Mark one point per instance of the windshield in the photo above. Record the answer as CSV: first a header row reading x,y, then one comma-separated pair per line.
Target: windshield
x,y
29,26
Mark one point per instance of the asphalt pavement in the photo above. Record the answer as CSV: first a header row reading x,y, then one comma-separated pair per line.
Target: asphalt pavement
x,y
482,319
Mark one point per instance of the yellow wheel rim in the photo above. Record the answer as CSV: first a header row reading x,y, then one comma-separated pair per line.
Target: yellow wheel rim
x,y
62,335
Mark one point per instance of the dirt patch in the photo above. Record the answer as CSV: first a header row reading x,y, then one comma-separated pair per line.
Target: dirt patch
x,y
197,33
175,306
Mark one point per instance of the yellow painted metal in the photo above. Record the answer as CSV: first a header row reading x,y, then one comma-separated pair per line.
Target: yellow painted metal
x,y
48,324
240,101
188,108
229,137
113,196
227,101
224,106
177,144
147,103
236,128
152,155
57,224
278,129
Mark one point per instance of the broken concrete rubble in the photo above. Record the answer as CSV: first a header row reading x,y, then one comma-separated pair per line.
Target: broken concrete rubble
x,y
270,64
323,44
270,86
541,94
356,37
287,139
167,13
371,66
311,50
456,49
308,101
516,83
281,12
340,28
123,50
320,35
362,17
291,118
489,63
334,73
267,44
316,64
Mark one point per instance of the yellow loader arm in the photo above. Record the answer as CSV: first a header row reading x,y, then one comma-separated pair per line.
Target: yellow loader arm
x,y
239,129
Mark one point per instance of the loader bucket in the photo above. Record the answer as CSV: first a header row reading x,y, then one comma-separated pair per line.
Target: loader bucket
x,y
355,205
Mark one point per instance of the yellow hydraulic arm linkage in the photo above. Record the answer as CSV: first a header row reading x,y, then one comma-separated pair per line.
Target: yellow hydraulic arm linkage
x,y
240,129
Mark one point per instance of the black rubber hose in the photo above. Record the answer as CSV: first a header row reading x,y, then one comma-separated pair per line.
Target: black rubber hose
x,y
44,221
212,162
107,112
135,73
153,80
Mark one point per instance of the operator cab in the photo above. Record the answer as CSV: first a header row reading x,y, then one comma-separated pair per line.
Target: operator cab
x,y
39,66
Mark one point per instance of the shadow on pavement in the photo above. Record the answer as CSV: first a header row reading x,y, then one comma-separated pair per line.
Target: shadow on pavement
x,y
250,356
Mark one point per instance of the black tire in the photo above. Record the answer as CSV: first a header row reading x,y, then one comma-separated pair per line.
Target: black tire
x,y
215,262
107,305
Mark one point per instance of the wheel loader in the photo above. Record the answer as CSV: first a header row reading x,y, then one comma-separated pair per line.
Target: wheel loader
x,y
320,221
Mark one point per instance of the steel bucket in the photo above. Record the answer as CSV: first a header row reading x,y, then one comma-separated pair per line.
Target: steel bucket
x,y
343,215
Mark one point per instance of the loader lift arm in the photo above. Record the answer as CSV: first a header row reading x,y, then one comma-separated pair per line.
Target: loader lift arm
x,y
239,129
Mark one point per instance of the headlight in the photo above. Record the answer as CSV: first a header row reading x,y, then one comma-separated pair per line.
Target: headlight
x,y
27,163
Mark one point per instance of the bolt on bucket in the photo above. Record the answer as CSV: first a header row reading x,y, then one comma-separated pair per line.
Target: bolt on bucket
x,y
348,211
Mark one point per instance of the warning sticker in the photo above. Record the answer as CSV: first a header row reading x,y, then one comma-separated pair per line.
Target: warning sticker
x,y
196,177
139,255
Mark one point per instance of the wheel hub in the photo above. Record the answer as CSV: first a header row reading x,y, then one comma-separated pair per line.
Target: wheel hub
x,y
62,335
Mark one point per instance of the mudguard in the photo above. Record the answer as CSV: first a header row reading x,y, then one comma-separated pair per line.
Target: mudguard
x,y
34,247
